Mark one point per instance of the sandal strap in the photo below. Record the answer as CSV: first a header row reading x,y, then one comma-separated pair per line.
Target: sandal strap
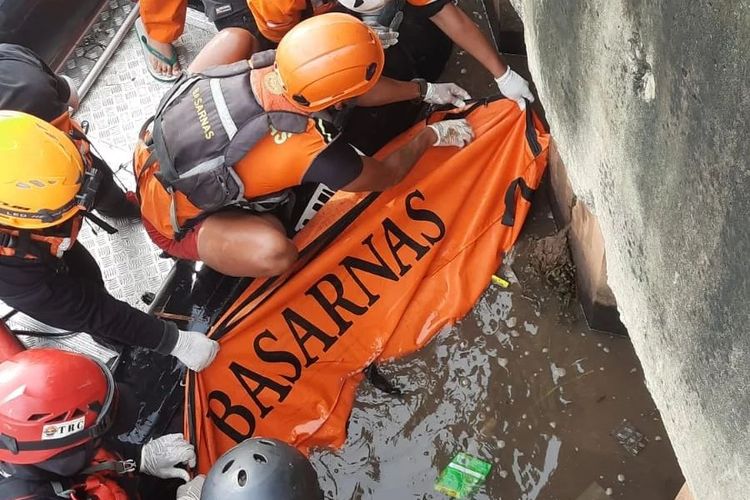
x,y
171,61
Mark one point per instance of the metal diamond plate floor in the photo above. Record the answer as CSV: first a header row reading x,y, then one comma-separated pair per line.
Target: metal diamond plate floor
x,y
100,35
122,98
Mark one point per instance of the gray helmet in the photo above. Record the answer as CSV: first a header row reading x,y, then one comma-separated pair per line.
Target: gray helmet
x,y
262,469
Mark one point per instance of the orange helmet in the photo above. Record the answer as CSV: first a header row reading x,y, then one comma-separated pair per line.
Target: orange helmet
x,y
327,59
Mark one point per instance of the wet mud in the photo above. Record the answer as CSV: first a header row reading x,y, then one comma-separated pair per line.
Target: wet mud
x,y
522,383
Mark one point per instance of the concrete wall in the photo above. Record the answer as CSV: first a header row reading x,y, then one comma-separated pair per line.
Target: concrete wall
x,y
649,103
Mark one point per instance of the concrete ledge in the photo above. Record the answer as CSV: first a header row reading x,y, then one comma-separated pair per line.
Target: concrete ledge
x,y
587,247
685,494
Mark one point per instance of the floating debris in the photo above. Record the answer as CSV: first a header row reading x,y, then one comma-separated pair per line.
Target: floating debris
x,y
531,328
621,478
608,492
557,373
497,280
629,437
577,364
463,475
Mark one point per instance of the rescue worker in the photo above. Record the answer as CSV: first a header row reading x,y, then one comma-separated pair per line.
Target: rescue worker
x,y
256,469
162,22
59,415
274,19
227,145
49,180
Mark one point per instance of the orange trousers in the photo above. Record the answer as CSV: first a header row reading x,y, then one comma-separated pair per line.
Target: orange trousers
x,y
164,19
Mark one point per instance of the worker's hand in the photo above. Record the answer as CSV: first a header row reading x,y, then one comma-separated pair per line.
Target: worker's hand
x,y
388,36
195,350
160,457
513,86
452,133
192,489
446,93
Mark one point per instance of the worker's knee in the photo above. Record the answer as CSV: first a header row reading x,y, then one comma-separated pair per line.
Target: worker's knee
x,y
247,246
275,257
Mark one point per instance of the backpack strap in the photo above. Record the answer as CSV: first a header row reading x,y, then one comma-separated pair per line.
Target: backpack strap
x,y
226,70
119,467
263,59
61,491
257,128
167,173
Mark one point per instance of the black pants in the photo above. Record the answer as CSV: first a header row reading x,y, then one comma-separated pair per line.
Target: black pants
x,y
110,199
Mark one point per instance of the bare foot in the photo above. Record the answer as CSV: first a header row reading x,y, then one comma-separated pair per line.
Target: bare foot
x,y
160,66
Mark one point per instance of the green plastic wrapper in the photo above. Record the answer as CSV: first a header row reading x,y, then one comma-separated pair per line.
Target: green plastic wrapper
x,y
463,476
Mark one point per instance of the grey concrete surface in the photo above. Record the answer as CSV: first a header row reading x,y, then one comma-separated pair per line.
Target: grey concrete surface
x,y
649,104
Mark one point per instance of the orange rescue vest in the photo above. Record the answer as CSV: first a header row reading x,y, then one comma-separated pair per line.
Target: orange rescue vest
x,y
275,18
54,241
275,163
99,479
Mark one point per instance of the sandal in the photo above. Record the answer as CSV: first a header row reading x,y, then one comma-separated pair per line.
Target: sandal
x,y
148,50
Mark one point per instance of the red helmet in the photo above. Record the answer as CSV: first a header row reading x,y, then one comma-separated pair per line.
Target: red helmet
x,y
51,401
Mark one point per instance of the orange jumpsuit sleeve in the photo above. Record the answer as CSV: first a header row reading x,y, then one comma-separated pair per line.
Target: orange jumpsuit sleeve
x,y
276,17
164,19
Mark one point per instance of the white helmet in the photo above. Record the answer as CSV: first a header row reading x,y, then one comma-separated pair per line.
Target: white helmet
x,y
367,7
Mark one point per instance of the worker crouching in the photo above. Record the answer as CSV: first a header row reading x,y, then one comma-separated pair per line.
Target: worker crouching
x,y
229,142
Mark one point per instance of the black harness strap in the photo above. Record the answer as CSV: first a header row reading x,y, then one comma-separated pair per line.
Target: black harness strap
x,y
309,10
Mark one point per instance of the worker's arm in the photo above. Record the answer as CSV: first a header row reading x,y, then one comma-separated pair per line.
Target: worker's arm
x,y
73,302
388,90
464,33
462,30
379,175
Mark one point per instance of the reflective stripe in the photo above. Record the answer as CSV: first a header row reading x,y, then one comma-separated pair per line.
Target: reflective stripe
x,y
181,90
173,214
64,246
206,166
221,107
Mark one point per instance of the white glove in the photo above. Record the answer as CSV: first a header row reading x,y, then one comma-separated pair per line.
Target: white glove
x,y
192,489
160,456
446,93
452,133
195,350
513,86
388,36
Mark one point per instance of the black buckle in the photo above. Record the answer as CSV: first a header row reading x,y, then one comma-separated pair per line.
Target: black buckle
x,y
87,196
8,240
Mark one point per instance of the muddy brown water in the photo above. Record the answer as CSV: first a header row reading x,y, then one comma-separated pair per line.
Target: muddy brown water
x,y
522,383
